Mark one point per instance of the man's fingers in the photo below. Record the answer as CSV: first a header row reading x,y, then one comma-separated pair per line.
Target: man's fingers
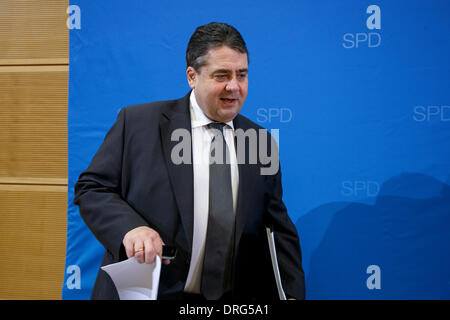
x,y
129,249
153,247
139,252
159,247
143,243
149,251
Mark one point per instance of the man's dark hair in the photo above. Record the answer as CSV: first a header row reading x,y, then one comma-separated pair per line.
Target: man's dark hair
x,y
212,35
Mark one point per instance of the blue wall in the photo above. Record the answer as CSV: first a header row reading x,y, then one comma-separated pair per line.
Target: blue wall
x,y
362,101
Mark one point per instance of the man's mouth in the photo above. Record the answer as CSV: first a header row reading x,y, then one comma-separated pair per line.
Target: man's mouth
x,y
228,100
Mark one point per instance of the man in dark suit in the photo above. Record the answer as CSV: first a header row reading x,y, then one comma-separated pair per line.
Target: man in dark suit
x,y
142,191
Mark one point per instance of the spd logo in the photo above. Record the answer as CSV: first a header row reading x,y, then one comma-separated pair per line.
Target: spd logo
x,y
362,39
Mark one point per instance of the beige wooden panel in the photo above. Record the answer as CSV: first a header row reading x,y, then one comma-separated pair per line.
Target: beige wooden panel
x,y
33,29
33,147
33,181
32,241
33,121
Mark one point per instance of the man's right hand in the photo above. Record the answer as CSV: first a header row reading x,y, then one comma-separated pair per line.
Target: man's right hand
x,y
144,243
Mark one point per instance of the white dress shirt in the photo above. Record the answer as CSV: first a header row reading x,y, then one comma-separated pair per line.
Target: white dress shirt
x,y
201,144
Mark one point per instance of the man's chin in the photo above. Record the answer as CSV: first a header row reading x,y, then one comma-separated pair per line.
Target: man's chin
x,y
227,115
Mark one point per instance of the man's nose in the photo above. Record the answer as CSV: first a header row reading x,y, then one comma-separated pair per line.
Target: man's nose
x,y
233,85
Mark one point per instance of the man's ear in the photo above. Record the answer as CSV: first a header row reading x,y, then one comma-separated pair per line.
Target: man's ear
x,y
191,76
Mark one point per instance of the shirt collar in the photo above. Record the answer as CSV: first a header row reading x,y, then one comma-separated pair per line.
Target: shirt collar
x,y
198,117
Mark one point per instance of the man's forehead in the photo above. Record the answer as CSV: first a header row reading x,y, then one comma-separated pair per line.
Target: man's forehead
x,y
225,57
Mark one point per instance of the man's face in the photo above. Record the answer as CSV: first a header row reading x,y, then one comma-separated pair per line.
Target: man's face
x,y
221,84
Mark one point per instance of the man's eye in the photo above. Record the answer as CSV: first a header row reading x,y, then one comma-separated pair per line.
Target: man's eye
x,y
242,76
221,76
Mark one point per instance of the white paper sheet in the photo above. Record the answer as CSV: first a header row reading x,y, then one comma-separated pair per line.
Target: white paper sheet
x,y
135,281
273,256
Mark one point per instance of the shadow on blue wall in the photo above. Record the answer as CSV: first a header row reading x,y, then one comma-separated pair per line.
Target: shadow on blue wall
x,y
405,233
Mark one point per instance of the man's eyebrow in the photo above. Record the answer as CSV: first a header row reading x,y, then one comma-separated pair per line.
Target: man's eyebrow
x,y
221,71
228,70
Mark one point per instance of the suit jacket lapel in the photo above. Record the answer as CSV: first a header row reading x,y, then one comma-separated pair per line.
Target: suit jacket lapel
x,y
181,175
245,183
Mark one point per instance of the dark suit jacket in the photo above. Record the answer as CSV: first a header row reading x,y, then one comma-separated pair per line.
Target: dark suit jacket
x,y
132,182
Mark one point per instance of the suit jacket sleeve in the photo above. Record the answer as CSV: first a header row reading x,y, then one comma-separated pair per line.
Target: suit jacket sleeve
x,y
286,241
98,192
